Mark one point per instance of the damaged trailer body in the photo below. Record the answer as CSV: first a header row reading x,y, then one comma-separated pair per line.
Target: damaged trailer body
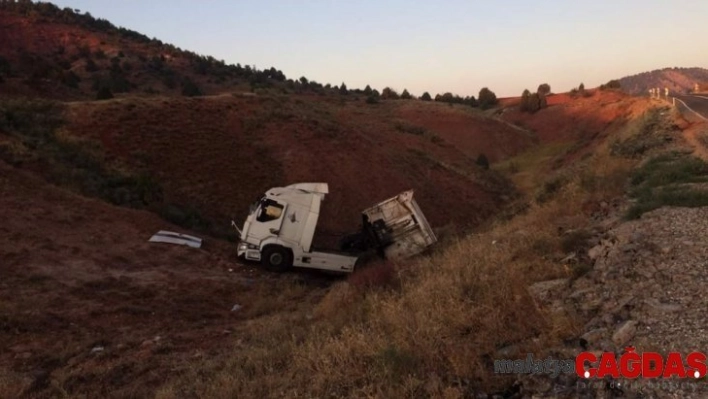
x,y
281,225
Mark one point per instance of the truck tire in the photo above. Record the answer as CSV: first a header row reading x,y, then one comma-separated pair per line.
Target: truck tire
x,y
276,258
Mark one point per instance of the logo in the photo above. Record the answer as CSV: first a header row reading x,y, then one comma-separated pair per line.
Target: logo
x,y
633,365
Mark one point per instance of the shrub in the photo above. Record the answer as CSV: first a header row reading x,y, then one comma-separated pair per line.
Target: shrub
x,y
666,180
91,66
104,93
69,78
426,96
408,128
4,67
343,89
612,84
189,88
406,95
483,162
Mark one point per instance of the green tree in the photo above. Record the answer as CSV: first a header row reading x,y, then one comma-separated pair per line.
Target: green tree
x,y
534,102
487,99
389,93
544,88
367,90
426,96
524,105
343,89
406,95
447,98
543,102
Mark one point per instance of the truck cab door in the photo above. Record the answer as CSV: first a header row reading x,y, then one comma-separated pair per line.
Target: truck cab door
x,y
268,219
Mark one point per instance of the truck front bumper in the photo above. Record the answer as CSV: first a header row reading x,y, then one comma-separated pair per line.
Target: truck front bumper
x,y
248,251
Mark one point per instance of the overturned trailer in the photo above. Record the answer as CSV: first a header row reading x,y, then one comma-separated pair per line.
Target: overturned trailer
x,y
281,225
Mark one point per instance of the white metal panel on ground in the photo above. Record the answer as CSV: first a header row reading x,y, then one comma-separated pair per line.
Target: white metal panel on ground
x,y
171,237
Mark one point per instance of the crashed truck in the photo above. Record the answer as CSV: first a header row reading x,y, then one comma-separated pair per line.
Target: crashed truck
x,y
280,228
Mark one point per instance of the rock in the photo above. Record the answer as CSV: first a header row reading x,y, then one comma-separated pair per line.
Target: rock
x,y
629,248
571,258
624,333
595,252
543,288
507,352
654,304
236,308
97,349
594,336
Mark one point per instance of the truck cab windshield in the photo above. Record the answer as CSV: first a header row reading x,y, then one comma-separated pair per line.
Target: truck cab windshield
x,y
269,210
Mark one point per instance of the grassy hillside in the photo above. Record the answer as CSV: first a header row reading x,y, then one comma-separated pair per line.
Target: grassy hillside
x,y
678,80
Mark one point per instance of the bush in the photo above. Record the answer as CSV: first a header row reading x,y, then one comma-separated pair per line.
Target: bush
x,y
372,99
5,69
666,180
483,162
91,66
104,93
406,95
612,84
426,97
190,89
408,128
69,78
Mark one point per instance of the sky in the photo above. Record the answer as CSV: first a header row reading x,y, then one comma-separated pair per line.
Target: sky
x,y
436,46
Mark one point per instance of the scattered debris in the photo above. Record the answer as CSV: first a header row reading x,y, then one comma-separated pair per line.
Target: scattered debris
x,y
97,349
176,238
236,308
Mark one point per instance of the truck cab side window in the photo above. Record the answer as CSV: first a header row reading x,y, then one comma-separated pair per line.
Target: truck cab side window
x,y
270,210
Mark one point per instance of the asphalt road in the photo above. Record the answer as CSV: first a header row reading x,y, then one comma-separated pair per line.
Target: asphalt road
x,y
698,103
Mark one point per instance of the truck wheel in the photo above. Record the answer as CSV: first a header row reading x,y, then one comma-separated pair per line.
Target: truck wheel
x,y
276,258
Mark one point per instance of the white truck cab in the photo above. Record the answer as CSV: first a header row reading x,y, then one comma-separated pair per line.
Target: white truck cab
x,y
280,228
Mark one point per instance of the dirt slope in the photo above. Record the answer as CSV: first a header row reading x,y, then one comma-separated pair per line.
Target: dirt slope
x,y
219,153
579,118
78,274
